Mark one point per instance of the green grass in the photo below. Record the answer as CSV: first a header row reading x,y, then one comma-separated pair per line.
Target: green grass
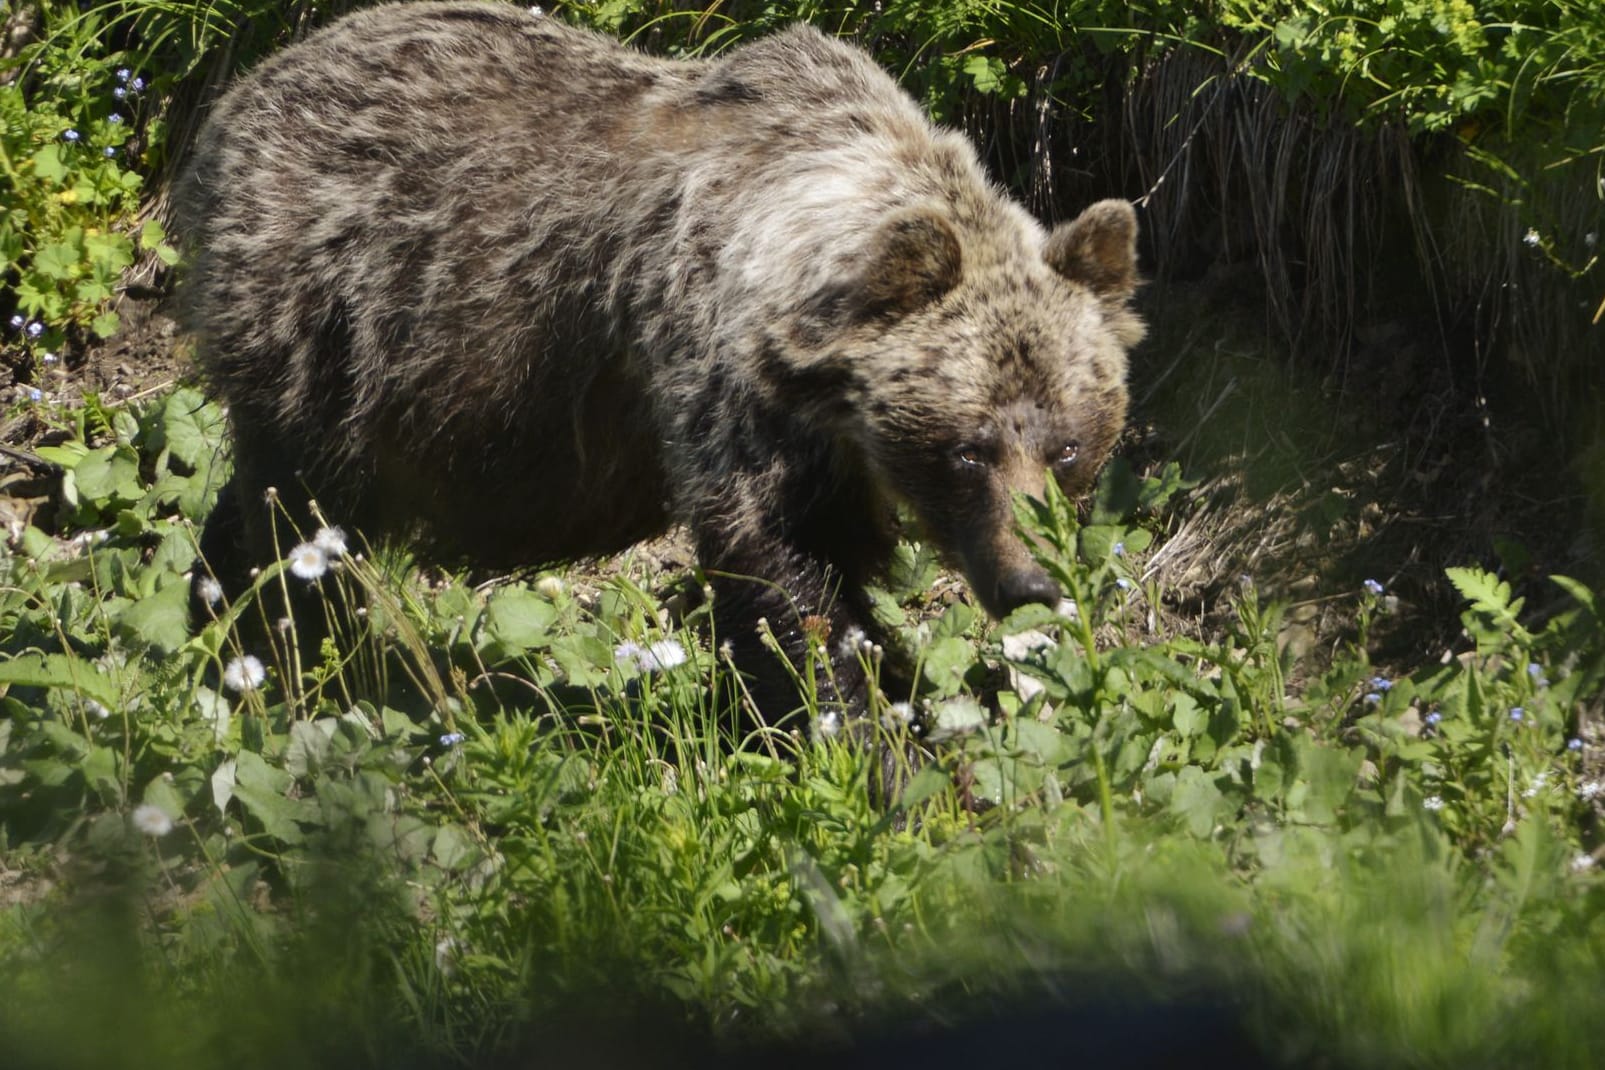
x,y
475,826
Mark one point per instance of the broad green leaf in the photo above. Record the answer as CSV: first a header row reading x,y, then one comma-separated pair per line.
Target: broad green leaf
x,y
48,164
111,250
38,295
223,785
989,74
58,260
408,836
1115,497
1187,716
110,472
216,710
1324,781
161,793
518,619
260,789
159,620
1043,742
955,621
452,848
191,426
100,770
309,746
926,783
152,234
956,717
583,659
61,671
68,454
1197,801
911,570
944,663
1158,490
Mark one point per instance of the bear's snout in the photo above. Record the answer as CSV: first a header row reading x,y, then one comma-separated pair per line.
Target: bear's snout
x,y
1026,586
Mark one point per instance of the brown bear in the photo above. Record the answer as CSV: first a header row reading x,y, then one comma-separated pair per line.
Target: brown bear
x,y
515,293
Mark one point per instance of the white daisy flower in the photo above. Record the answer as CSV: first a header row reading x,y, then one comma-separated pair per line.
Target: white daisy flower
x,y
152,820
332,541
209,590
661,655
664,654
448,950
244,674
309,561
898,715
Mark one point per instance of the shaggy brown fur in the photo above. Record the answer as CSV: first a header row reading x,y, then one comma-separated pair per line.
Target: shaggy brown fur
x,y
517,294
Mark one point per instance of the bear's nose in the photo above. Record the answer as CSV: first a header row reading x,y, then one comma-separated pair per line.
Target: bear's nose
x,y
1025,586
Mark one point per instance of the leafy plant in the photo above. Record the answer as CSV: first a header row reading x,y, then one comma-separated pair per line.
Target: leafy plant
x,y
71,190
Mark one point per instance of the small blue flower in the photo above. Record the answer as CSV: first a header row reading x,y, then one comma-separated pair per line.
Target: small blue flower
x,y
1381,683
1434,717
1123,583
1535,672
35,329
120,93
35,394
1372,698
70,135
123,73
1373,587
1517,713
1574,744
451,739
108,152
1118,549
114,119
17,322
137,85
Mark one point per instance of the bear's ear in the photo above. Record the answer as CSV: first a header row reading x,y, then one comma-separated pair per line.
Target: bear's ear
x,y
1098,248
912,260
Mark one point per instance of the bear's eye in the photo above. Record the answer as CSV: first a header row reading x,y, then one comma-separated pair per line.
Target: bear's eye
x,y
969,455
1067,455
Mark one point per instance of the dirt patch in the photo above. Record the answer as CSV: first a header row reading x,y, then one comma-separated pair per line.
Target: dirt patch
x,y
1319,474
144,358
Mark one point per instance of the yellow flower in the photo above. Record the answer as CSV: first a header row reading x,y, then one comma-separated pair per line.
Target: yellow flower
x,y
68,196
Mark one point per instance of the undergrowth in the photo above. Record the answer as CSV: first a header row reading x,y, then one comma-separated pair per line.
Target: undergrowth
x,y
449,830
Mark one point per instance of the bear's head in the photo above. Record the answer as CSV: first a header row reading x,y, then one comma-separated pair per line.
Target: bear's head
x,y
984,364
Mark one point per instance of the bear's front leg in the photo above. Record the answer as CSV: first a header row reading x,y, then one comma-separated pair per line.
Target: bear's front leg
x,y
788,626
790,610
